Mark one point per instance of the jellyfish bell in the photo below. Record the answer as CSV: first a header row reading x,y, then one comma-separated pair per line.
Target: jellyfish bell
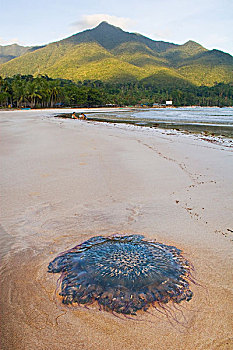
x,y
123,274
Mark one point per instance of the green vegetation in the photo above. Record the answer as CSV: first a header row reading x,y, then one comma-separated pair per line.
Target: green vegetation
x,y
109,54
9,52
42,91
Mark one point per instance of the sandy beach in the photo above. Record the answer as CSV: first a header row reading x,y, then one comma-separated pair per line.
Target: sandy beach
x,y
64,181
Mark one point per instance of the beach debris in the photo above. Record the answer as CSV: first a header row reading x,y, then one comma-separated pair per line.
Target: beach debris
x,y
123,274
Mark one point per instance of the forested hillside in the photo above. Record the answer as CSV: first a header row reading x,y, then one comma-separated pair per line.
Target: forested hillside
x,y
109,54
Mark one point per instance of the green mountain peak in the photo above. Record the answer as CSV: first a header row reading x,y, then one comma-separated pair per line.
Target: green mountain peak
x,y
192,43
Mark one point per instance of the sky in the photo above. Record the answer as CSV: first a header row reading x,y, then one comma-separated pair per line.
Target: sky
x,y
30,22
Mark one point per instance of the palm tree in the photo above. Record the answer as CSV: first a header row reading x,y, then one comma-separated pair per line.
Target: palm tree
x,y
5,92
54,91
33,93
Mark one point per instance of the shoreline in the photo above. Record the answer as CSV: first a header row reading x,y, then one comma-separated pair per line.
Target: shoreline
x,y
202,132
217,131
65,181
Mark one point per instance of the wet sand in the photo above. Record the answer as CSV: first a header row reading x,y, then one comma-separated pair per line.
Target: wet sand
x,y
64,181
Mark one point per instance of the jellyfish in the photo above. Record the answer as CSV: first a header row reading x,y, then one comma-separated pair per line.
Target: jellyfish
x,y
122,274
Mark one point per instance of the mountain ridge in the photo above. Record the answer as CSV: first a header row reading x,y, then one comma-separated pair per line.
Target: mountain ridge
x,y
108,53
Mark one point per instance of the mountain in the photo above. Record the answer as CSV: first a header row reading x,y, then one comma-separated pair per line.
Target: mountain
x,y
108,53
9,52
110,37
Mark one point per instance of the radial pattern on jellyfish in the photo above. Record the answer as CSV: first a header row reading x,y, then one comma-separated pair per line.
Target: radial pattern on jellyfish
x,y
123,274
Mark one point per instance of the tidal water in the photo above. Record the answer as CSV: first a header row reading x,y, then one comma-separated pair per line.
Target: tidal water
x,y
217,121
211,116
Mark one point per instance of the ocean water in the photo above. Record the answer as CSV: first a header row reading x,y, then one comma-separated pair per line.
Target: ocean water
x,y
197,115
217,121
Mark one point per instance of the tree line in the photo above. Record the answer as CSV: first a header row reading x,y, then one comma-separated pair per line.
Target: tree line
x,y
44,92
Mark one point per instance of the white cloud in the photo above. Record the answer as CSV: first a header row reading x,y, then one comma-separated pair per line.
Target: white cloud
x,y
90,21
9,42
